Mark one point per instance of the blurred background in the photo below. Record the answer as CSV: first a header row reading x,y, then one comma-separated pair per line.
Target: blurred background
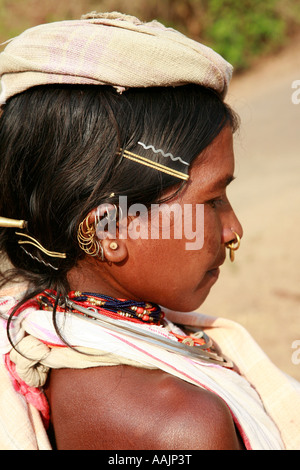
x,y
261,290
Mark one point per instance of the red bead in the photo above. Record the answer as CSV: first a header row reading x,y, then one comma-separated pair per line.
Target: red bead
x,y
139,310
145,317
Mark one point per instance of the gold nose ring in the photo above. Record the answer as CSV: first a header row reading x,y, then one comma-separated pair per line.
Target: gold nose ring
x,y
233,246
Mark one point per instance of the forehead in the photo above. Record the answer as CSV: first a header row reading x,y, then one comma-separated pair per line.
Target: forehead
x,y
214,168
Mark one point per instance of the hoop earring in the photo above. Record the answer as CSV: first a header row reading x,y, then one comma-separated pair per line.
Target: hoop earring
x,y
233,246
87,239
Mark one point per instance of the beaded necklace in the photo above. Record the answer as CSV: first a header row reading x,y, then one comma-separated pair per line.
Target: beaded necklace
x,y
126,316
131,310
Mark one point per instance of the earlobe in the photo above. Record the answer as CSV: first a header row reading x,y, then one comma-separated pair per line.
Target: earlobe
x,y
115,251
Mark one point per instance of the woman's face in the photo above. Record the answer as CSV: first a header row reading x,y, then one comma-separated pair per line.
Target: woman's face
x,y
166,270
168,267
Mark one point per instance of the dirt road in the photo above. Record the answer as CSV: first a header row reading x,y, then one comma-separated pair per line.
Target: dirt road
x,y
261,289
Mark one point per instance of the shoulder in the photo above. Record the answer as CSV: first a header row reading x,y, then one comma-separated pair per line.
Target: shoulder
x,y
122,407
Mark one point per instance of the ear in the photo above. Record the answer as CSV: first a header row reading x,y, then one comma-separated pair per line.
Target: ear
x,y
114,248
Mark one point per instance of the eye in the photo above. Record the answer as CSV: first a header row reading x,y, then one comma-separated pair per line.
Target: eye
x,y
217,202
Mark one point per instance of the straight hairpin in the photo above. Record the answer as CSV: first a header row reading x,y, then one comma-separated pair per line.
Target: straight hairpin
x,y
155,165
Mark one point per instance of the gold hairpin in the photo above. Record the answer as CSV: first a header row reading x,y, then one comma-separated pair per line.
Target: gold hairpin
x,y
12,223
34,242
156,166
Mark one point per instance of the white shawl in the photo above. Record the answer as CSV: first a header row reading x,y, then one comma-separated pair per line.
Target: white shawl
x,y
264,403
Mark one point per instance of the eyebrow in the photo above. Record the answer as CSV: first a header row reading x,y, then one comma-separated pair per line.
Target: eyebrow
x,y
222,183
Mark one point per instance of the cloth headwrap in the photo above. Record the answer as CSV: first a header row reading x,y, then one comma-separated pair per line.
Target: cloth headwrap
x,y
108,49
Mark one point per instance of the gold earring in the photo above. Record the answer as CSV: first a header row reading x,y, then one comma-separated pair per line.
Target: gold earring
x,y
87,239
233,246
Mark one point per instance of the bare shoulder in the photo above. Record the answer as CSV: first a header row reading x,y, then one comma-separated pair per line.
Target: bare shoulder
x,y
123,407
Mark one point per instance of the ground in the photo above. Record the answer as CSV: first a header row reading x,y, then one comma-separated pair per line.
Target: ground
x,y
261,289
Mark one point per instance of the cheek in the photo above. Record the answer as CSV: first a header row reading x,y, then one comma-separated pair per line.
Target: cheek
x,y
212,231
173,271
164,268
175,247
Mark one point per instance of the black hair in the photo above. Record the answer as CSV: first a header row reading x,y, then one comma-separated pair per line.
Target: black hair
x,y
59,159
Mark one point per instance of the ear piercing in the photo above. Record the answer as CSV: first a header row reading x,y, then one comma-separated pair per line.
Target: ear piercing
x,y
87,239
113,246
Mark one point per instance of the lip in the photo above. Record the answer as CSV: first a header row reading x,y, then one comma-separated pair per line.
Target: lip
x,y
217,266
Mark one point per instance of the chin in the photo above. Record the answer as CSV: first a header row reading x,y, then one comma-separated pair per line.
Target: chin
x,y
192,298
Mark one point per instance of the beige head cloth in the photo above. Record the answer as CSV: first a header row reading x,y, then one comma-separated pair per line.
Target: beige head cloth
x,y
108,49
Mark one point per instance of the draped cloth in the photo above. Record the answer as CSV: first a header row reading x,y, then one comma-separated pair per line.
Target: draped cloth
x,y
108,49
264,403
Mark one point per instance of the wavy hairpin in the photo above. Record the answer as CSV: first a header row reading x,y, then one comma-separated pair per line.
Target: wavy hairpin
x,y
49,265
155,165
170,155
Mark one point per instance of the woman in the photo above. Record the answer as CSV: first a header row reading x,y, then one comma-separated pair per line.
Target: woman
x,y
116,151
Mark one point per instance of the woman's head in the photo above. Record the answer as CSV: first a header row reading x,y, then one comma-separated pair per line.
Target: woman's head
x,y
95,109
59,148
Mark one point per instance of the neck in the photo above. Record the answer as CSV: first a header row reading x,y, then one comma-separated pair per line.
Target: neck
x,y
91,276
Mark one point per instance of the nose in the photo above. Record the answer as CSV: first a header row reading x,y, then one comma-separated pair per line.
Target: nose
x,y
231,225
